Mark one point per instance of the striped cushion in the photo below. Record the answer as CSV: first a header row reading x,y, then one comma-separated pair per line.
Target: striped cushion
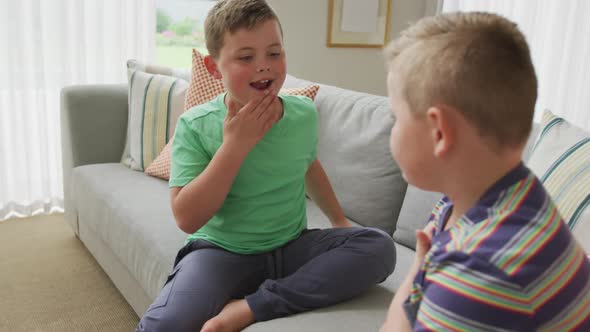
x,y
561,159
156,100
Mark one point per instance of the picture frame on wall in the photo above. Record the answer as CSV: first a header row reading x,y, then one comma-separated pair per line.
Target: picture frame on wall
x,y
358,23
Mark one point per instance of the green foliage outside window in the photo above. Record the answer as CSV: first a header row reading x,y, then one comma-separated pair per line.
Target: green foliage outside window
x,y
162,21
179,29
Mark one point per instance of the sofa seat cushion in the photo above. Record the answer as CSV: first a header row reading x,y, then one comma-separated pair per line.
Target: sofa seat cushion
x,y
131,213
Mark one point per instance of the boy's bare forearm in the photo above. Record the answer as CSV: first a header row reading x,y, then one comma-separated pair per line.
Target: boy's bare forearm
x,y
199,200
320,191
396,317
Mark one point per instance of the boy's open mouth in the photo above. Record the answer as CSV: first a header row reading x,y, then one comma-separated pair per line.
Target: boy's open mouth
x,y
261,85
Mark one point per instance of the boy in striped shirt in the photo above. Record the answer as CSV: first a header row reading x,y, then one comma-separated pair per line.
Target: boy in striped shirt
x,y
495,255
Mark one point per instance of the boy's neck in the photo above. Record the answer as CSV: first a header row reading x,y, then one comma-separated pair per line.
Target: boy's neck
x,y
465,186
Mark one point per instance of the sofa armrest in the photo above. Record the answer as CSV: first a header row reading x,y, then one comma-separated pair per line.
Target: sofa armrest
x,y
93,130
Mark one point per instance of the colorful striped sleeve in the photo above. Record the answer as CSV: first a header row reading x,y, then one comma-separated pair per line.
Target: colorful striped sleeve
x,y
465,293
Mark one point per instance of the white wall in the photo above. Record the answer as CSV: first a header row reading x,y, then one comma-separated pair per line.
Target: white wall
x,y
305,25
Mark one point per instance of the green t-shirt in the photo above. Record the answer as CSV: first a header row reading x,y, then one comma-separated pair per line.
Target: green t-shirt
x,y
265,207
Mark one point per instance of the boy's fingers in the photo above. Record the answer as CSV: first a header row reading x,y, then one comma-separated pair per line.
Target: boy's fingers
x,y
424,237
269,121
422,242
421,237
232,108
264,104
429,230
272,111
250,107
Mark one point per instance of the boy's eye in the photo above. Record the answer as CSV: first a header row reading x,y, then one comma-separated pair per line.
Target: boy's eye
x,y
246,58
275,54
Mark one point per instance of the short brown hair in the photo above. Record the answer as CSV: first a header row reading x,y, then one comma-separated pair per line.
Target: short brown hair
x,y
231,15
478,63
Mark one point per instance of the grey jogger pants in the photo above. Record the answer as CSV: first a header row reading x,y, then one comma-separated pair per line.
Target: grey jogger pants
x,y
318,269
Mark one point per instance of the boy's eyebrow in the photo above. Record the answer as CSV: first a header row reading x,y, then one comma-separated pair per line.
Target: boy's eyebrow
x,y
247,48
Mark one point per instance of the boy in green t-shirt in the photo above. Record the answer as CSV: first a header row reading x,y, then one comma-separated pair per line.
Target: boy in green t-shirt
x,y
241,167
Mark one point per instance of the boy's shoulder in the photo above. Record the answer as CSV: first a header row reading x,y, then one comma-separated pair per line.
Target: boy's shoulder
x,y
301,108
520,228
521,203
297,101
209,111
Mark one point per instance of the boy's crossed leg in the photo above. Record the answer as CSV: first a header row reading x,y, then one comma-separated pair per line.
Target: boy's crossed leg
x,y
318,269
200,285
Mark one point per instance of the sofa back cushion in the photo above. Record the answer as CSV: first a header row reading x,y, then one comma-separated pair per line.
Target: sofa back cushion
x,y
354,151
414,214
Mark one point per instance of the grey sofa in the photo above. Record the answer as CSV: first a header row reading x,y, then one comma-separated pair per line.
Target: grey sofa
x,y
124,218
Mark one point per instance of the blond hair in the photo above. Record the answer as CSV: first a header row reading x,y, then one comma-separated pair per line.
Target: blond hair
x,y
478,63
231,15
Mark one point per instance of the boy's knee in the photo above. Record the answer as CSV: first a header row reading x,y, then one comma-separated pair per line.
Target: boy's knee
x,y
160,319
168,324
380,245
151,324
385,248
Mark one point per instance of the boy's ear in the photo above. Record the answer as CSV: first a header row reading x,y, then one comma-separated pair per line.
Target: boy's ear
x,y
442,131
211,66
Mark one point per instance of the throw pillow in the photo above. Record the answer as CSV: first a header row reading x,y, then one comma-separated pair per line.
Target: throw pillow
x,y
203,88
561,159
156,100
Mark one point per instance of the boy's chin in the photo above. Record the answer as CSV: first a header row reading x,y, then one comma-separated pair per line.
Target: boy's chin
x,y
277,84
244,97
260,92
418,184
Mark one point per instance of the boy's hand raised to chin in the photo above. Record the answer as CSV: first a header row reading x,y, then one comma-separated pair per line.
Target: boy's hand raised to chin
x,y
244,127
423,241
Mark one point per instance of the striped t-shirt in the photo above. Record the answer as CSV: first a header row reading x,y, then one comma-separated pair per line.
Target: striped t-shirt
x,y
509,264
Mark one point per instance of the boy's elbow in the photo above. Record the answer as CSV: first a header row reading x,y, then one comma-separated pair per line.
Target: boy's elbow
x,y
188,229
184,222
189,218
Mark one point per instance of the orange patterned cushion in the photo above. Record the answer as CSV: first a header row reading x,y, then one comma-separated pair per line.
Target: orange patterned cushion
x,y
308,91
160,167
203,88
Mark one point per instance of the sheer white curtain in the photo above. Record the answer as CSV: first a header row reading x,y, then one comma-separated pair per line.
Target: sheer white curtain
x,y
46,45
558,33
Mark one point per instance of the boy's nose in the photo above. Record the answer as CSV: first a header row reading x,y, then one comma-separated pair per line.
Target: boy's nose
x,y
263,69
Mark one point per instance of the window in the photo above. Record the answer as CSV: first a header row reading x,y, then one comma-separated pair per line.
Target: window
x,y
179,29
